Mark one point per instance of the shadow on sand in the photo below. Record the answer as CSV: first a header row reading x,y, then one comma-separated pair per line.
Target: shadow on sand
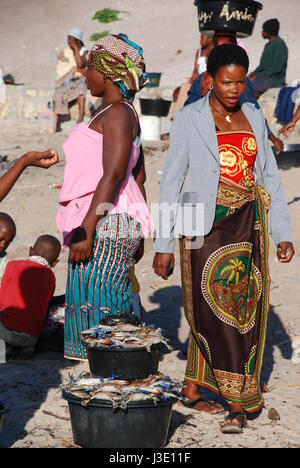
x,y
24,385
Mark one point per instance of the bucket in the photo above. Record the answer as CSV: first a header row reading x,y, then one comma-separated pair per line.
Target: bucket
x,y
125,364
150,127
153,80
237,16
155,107
47,121
144,425
3,411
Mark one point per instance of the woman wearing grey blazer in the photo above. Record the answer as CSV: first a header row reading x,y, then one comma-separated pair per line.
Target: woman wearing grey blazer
x,y
222,172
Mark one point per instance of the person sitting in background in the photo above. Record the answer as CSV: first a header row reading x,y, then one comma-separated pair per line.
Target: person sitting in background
x,y
7,234
271,72
288,128
43,159
70,80
26,290
180,94
201,85
206,46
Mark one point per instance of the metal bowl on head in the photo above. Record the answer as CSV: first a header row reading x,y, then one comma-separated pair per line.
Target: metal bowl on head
x,y
236,16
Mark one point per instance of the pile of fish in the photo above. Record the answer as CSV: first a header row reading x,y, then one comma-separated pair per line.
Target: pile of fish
x,y
121,392
117,334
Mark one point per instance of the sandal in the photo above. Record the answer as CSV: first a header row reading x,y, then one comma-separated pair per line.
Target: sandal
x,y
193,403
233,428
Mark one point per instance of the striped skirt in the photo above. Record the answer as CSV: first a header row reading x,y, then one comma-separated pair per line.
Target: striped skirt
x,y
101,285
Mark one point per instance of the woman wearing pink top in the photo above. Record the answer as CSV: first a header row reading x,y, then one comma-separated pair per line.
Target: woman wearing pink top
x,y
103,213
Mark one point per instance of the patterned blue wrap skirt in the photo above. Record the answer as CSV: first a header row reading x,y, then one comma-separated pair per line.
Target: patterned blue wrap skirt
x,y
101,285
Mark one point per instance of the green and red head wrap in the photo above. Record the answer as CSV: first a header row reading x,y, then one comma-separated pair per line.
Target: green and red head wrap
x,y
122,61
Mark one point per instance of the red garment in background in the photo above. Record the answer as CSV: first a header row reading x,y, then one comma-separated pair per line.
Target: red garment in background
x,y
26,289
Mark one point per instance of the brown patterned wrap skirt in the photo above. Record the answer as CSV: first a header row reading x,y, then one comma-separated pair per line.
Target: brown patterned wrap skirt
x,y
226,297
66,93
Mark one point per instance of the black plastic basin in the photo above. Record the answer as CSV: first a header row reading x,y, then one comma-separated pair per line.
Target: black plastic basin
x,y
155,107
144,425
125,364
237,16
3,411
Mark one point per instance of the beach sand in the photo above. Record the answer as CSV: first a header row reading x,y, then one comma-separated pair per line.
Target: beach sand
x,y
32,388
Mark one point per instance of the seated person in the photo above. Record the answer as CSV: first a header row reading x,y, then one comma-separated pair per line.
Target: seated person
x,y
70,76
271,72
26,290
43,159
180,94
201,85
206,46
7,234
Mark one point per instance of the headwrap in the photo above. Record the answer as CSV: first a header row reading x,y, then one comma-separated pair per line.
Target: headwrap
x,y
272,27
122,61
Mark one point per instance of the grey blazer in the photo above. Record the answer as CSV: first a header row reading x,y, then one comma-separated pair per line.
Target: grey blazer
x,y
192,171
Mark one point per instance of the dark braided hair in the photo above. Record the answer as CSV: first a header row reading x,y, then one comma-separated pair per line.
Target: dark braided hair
x,y
224,55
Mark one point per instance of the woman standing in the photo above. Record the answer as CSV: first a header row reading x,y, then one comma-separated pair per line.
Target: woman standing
x,y
70,77
102,194
220,152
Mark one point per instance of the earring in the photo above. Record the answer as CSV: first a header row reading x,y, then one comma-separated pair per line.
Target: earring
x,y
211,87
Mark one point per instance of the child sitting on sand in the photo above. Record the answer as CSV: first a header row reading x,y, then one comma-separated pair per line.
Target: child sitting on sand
x,y
26,289
7,234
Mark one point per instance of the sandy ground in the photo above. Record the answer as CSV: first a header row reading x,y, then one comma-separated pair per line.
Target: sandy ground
x,y
31,388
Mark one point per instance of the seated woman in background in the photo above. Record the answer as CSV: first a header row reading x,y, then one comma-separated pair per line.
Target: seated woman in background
x,y
70,76
181,93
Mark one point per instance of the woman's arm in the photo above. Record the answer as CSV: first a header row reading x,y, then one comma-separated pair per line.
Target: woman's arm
x,y
195,73
44,159
80,60
139,173
117,146
172,180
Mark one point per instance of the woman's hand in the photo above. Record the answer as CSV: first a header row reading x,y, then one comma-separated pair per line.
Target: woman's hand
x,y
73,43
162,263
81,246
44,159
285,252
277,143
287,129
